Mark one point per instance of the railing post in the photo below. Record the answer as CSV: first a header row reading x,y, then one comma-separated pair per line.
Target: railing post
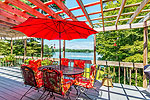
x,y
42,42
124,75
145,52
63,48
25,49
94,49
11,46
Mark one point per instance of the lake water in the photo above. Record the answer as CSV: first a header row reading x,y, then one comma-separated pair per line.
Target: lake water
x,y
77,55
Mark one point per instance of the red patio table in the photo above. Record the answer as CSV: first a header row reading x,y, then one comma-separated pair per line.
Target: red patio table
x,y
67,70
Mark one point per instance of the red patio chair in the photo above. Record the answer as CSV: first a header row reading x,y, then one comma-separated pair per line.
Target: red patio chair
x,y
55,83
86,83
29,79
64,61
79,63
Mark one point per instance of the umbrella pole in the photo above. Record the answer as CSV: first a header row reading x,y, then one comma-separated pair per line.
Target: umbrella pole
x,y
60,53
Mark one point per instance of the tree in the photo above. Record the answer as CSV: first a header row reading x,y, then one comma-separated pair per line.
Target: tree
x,y
129,42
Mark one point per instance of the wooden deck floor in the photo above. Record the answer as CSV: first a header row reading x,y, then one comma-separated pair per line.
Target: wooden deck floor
x,y
12,88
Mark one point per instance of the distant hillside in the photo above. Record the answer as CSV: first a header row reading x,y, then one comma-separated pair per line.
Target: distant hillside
x,y
76,50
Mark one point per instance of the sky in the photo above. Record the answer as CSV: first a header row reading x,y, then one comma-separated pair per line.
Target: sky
x,y
78,43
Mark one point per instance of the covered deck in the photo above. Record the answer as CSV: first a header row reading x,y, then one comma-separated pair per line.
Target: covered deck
x,y
12,88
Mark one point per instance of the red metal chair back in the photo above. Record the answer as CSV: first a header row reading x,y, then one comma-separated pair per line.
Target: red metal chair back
x,y
28,76
64,61
53,80
79,63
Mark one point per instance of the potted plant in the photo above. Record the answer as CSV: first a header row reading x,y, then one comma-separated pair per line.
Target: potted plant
x,y
107,77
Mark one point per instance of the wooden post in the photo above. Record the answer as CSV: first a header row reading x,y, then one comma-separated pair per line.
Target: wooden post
x,y
25,48
135,76
119,74
42,42
145,52
94,49
124,75
11,46
64,49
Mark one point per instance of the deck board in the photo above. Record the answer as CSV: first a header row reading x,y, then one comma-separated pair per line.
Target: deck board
x,y
12,88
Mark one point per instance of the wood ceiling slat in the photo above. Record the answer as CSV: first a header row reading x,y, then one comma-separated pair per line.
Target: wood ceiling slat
x,y
61,5
129,13
101,5
7,24
76,8
45,8
119,20
11,16
25,7
117,8
13,10
8,20
46,3
138,10
123,27
120,11
80,3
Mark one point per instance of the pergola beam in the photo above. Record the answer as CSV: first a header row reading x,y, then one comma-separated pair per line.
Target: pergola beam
x,y
123,27
101,5
11,16
76,8
7,24
13,10
25,7
45,8
80,3
138,10
61,5
147,17
5,19
117,8
120,11
119,20
123,14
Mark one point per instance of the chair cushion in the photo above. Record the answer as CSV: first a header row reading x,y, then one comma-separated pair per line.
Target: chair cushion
x,y
64,61
66,85
54,81
84,82
79,63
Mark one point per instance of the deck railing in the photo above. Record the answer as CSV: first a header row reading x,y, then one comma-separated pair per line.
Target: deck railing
x,y
127,72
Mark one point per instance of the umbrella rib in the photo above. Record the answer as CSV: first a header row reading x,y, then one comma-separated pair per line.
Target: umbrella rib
x,y
65,30
29,25
50,27
82,27
75,30
36,32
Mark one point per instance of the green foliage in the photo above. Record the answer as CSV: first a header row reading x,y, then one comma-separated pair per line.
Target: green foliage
x,y
9,58
27,60
129,42
33,47
46,62
4,47
49,52
76,50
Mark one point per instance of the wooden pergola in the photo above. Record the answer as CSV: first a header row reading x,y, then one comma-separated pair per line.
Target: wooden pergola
x,y
11,16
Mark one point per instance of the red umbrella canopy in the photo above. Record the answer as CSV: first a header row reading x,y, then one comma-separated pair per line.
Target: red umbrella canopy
x,y
53,29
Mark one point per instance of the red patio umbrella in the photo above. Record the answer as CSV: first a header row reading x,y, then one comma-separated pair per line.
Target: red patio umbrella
x,y
52,29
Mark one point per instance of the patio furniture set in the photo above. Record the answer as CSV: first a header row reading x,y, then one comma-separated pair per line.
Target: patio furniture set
x,y
54,79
